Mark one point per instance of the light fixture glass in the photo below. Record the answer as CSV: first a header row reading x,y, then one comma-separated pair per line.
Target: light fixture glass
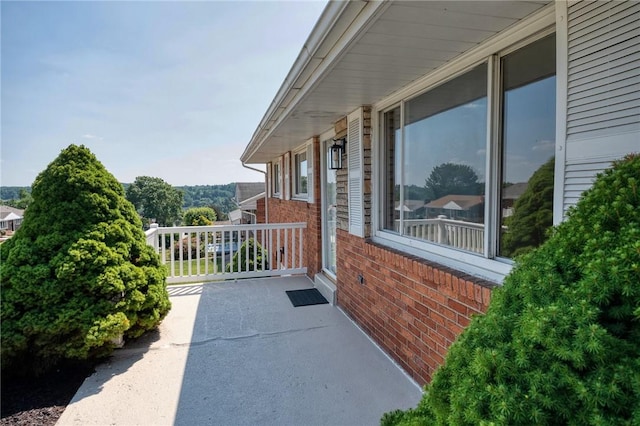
x,y
335,154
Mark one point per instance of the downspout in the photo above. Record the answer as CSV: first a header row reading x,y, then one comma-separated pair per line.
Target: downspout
x,y
266,190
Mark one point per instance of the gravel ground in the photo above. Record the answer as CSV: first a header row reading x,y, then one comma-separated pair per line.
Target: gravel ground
x,y
41,400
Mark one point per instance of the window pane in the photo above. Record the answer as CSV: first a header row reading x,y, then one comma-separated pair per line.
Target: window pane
x,y
276,178
393,138
444,163
528,147
301,173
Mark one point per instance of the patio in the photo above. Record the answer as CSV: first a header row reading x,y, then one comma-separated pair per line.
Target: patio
x,y
238,352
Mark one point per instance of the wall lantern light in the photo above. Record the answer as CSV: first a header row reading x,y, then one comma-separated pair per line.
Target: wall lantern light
x,y
335,153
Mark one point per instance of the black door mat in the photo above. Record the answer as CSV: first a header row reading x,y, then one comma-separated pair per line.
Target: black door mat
x,y
306,297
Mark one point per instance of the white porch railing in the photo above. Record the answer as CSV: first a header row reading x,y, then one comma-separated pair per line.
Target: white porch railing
x,y
207,253
455,233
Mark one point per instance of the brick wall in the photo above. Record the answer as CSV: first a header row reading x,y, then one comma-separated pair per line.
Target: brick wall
x,y
412,308
290,211
260,211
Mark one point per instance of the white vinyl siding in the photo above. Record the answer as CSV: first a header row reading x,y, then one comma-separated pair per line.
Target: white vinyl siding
x,y
355,160
604,76
579,177
603,90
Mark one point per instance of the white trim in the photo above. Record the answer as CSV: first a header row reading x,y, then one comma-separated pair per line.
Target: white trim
x,y
269,179
324,137
493,157
481,267
286,176
355,179
302,149
311,196
277,178
562,69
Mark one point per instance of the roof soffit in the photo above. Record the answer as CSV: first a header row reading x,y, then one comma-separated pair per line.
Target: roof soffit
x,y
378,53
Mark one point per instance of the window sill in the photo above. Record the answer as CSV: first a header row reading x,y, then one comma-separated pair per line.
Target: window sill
x,y
466,262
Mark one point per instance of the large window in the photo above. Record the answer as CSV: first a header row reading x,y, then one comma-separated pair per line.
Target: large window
x,y
438,144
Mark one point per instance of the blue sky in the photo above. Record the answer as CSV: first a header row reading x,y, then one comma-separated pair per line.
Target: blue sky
x,y
167,89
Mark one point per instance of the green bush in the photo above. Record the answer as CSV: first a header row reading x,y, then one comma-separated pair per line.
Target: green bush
x,y
532,214
184,242
560,342
78,273
239,260
199,216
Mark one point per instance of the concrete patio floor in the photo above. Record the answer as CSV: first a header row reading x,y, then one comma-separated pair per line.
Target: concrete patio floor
x,y
238,353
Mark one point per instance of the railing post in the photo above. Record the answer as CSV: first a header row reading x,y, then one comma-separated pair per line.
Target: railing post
x,y
442,231
152,236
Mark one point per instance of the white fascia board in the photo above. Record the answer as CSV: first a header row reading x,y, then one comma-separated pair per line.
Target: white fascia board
x,y
358,14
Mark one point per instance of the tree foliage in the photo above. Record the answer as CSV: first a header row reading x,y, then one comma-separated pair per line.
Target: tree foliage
x,y
533,214
452,179
199,216
154,198
78,273
560,342
256,256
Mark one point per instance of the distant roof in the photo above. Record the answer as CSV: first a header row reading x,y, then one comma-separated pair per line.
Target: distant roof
x,y
513,192
246,190
5,211
456,202
410,205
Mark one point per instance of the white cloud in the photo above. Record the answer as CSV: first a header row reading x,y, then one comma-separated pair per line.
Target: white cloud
x,y
544,145
90,136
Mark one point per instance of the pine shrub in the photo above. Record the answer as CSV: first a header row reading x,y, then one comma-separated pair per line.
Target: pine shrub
x,y
78,273
560,341
239,260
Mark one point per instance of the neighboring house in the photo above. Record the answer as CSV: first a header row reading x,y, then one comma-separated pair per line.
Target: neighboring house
x,y
10,218
412,208
458,207
248,195
495,88
509,196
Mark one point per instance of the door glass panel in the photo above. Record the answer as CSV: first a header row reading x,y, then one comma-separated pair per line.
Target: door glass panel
x,y
330,216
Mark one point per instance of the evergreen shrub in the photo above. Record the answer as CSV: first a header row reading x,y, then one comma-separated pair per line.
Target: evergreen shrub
x,y
239,260
78,273
560,341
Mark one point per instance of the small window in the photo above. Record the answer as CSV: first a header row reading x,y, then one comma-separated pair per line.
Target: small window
x,y
276,178
300,177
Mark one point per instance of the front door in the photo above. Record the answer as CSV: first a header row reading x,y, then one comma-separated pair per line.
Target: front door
x,y
329,217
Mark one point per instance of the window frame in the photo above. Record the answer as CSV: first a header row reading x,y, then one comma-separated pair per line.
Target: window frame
x,y
296,176
488,265
276,177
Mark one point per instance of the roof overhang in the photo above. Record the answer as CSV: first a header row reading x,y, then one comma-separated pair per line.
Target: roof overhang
x,y
360,52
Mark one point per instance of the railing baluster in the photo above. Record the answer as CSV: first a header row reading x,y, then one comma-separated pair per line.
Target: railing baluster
x,y
246,250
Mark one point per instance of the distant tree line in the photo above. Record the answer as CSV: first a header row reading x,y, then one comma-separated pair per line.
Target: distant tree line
x,y
218,197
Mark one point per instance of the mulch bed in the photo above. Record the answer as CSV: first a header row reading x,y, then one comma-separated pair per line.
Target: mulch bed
x,y
40,400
